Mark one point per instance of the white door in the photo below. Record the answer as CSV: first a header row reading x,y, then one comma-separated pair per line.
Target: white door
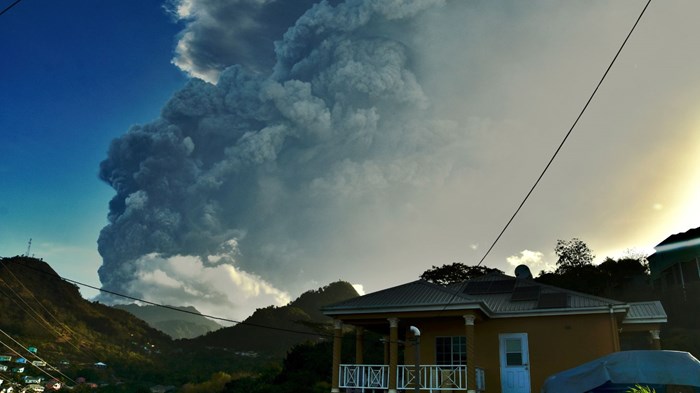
x,y
515,363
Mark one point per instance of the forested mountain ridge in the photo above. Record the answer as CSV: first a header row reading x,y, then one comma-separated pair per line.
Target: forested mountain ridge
x,y
273,330
42,310
174,323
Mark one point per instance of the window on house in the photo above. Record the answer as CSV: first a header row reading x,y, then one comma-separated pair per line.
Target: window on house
x,y
514,352
451,350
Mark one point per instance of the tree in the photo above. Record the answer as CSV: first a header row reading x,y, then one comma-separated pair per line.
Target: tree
x,y
455,273
572,254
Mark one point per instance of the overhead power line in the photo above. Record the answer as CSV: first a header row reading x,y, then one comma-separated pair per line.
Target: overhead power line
x,y
31,311
38,357
274,328
480,262
31,364
567,135
34,314
57,276
51,314
9,6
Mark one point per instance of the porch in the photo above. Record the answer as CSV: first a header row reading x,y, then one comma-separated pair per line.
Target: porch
x,y
432,378
446,363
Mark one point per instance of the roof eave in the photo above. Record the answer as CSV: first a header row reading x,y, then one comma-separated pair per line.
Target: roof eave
x,y
561,311
644,321
410,308
483,308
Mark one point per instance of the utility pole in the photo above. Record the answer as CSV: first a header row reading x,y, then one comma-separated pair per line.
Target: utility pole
x,y
29,247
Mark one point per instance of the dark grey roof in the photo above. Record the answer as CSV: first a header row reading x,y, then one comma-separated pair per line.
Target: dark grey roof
x,y
415,293
502,302
690,234
492,293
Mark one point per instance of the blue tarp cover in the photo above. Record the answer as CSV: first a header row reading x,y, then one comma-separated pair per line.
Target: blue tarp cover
x,y
643,367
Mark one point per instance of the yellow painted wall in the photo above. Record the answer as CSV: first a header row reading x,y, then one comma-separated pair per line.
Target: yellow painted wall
x,y
555,343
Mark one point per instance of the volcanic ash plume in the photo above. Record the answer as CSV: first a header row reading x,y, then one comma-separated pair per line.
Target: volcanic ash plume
x,y
269,168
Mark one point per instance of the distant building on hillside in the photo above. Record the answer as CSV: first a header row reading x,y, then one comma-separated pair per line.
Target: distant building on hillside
x,y
676,262
28,379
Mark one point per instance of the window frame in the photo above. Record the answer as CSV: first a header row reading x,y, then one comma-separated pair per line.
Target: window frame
x,y
451,350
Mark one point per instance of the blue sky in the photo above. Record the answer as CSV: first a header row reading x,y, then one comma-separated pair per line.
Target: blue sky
x,y
363,141
74,76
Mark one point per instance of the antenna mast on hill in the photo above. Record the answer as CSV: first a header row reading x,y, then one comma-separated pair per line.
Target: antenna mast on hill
x,y
29,247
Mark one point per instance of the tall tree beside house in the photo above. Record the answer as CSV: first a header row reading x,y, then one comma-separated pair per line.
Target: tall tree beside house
x,y
571,254
455,273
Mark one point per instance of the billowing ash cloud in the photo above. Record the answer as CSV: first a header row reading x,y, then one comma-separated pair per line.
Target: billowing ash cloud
x,y
221,33
281,164
368,140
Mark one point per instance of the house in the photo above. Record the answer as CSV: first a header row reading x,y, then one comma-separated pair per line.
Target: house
x,y
676,261
21,360
3,367
492,333
5,358
28,379
39,363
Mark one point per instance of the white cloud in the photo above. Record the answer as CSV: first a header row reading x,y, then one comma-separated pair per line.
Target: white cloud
x,y
359,288
222,290
532,259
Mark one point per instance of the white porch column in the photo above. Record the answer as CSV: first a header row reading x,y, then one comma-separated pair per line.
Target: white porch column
x,y
393,352
471,353
337,341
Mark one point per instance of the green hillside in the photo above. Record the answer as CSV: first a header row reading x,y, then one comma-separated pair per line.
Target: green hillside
x,y
41,310
297,322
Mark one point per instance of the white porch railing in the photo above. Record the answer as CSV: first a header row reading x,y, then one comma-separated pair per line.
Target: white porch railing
x,y
362,376
432,377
